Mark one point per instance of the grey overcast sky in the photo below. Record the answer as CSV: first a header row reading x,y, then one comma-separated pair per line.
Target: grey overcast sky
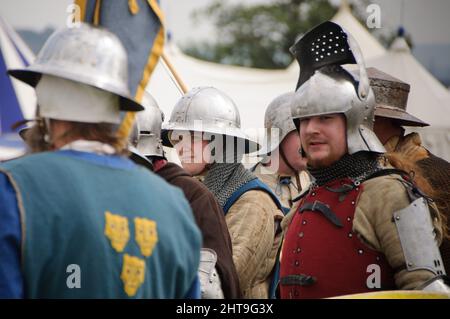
x,y
426,20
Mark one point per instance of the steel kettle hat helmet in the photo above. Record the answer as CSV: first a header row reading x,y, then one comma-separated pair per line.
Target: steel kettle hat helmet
x,y
85,54
208,110
325,87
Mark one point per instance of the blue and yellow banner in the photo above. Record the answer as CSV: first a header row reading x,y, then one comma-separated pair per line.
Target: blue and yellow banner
x,y
139,25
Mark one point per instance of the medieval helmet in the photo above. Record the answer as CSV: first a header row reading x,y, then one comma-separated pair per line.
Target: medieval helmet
x,y
325,87
391,98
207,110
278,116
89,56
146,134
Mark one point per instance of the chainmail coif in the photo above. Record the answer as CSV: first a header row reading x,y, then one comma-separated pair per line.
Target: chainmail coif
x,y
355,166
223,179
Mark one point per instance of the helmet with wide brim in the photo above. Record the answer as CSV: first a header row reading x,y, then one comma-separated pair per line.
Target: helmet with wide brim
x,y
167,134
207,110
404,118
391,98
88,55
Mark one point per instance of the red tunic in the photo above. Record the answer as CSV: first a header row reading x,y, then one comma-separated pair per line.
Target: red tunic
x,y
334,256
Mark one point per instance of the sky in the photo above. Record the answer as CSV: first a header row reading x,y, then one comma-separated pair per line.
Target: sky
x,y
426,20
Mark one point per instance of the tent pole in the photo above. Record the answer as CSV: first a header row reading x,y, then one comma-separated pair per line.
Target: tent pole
x,y
174,73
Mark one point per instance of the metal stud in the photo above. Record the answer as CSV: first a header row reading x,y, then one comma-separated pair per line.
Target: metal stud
x,y
331,32
313,194
342,50
397,217
296,263
360,251
304,222
328,53
335,51
300,234
323,43
317,59
312,49
299,250
353,202
349,219
350,235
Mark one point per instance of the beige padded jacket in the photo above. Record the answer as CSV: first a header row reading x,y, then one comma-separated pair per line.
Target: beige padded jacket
x,y
252,222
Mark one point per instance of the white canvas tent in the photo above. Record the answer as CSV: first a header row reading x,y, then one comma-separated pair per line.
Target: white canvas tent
x,y
428,99
17,100
252,89
369,45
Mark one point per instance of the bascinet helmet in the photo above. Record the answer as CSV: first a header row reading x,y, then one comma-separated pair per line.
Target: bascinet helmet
x,y
146,134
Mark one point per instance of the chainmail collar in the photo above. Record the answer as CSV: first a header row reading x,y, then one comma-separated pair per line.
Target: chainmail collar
x,y
356,167
223,179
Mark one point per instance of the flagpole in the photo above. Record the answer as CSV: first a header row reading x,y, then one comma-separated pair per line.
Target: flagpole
x,y
174,73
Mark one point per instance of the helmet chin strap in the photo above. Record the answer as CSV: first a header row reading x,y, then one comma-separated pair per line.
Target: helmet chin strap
x,y
296,173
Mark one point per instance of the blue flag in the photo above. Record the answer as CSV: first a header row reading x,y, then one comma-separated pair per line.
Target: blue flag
x,y
138,24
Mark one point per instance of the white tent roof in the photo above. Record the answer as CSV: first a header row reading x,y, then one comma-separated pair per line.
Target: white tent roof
x,y
369,45
15,51
18,100
251,89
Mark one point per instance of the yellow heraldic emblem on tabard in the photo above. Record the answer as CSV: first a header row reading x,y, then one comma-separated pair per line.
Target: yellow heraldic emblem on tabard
x,y
133,274
117,231
146,235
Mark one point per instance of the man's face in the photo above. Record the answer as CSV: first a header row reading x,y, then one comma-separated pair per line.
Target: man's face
x,y
291,146
323,139
191,152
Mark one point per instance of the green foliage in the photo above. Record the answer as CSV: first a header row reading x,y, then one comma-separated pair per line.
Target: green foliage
x,y
258,35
